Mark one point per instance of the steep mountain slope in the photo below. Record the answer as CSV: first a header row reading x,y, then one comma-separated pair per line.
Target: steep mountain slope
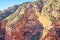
x,y
39,20
5,13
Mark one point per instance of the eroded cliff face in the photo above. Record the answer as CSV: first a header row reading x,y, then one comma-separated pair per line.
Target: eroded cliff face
x,y
39,20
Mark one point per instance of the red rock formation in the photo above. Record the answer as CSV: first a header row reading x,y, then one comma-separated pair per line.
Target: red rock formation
x,y
2,29
54,33
3,24
27,25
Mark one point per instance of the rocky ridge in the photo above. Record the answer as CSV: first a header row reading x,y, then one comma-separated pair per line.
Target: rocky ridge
x,y
39,20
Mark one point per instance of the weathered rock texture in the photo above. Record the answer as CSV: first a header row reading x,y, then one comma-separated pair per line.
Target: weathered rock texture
x,y
39,20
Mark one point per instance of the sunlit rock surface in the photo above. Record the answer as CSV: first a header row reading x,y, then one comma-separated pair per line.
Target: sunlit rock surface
x,y
38,20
